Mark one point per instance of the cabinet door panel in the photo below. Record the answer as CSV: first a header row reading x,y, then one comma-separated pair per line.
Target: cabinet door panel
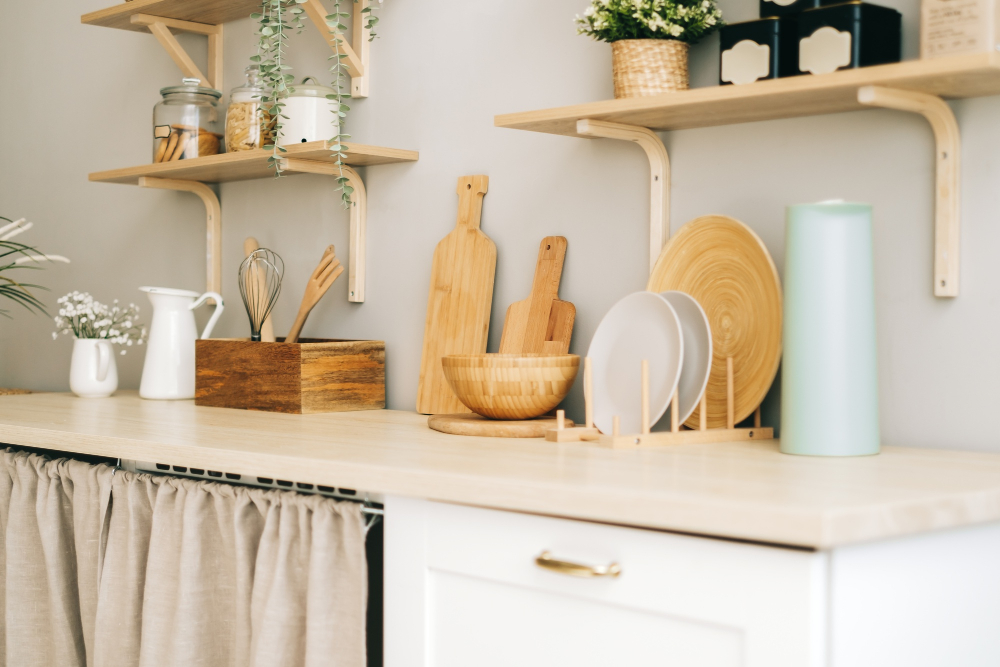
x,y
506,625
458,578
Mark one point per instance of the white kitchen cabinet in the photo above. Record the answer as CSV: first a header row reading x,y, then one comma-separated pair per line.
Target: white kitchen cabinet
x,y
463,588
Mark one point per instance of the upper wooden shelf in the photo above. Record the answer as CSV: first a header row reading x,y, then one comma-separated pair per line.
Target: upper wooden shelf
x,y
976,75
248,165
212,12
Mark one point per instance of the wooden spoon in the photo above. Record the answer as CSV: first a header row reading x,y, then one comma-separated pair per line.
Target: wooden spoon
x,y
266,329
329,270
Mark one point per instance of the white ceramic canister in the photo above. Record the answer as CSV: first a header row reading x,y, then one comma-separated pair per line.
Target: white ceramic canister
x,y
92,371
310,114
168,372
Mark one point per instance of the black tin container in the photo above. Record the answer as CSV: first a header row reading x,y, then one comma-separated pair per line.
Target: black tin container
x,y
848,35
762,49
771,9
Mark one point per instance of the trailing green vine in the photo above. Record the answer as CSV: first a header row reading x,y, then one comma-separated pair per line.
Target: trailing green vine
x,y
275,19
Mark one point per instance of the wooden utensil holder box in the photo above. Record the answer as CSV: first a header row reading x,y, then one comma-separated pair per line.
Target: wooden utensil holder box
x,y
308,377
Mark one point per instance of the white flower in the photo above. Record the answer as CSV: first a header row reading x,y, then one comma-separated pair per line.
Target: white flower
x,y
676,30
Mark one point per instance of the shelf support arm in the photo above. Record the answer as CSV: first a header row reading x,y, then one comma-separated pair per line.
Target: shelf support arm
x,y
359,218
947,216
162,28
214,222
356,59
659,175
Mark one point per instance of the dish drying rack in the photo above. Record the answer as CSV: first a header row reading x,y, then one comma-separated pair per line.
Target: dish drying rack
x,y
677,435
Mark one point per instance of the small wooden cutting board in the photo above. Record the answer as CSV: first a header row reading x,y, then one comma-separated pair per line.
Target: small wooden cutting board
x,y
461,295
542,323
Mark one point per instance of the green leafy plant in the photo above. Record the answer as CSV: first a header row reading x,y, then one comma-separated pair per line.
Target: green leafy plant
x,y
682,20
14,255
275,20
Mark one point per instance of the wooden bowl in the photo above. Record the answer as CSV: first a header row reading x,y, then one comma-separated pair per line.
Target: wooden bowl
x,y
511,386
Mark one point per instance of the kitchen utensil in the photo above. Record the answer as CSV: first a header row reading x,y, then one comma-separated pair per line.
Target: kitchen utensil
x,y
726,268
829,375
697,362
461,295
266,329
477,425
307,377
642,326
186,122
542,323
260,283
310,113
508,386
328,270
168,371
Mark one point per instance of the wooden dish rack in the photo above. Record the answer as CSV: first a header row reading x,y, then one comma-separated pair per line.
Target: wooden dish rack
x,y
677,435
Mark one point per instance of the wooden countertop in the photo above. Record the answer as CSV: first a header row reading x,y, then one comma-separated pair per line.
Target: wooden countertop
x,y
736,490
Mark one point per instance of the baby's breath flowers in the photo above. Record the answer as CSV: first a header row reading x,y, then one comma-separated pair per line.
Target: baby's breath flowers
x,y
83,317
683,20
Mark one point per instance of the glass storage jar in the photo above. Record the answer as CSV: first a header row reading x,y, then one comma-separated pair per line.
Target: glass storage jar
x,y
186,122
245,117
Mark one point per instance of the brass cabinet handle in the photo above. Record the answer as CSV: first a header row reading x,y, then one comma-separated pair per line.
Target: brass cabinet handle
x,y
546,561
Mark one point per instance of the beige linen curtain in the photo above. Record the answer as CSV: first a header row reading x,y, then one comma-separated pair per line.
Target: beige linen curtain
x,y
202,574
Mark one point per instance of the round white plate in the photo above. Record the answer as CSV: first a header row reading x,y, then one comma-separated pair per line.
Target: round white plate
x,y
641,326
697,354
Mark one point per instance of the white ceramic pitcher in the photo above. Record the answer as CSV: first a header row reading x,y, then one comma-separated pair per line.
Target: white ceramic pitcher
x,y
168,372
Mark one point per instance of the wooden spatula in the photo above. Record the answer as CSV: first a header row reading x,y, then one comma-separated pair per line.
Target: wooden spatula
x,y
322,277
461,295
542,323
266,329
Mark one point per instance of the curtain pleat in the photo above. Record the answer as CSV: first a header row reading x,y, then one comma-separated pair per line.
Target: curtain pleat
x,y
53,515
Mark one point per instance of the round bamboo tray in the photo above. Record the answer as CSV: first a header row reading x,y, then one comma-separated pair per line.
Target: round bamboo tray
x,y
644,67
726,267
509,386
477,425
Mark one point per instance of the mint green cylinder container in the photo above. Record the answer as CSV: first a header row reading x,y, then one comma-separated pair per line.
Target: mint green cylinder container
x,y
829,377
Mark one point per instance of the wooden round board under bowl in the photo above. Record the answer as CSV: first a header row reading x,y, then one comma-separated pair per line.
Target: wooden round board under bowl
x,y
725,266
511,386
466,424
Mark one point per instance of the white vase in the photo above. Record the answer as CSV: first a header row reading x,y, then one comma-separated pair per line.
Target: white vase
x,y
92,372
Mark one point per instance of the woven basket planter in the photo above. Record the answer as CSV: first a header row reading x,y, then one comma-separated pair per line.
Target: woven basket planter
x,y
644,67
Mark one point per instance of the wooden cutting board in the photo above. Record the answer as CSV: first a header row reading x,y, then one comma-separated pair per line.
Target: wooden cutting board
x,y
542,323
461,295
474,425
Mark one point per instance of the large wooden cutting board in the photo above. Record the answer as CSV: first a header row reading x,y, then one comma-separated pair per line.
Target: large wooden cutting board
x,y
542,323
461,295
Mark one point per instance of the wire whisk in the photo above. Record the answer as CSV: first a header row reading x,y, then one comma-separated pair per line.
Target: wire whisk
x,y
260,283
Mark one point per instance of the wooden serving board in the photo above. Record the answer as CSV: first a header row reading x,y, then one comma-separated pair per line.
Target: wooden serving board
x,y
461,295
475,425
542,323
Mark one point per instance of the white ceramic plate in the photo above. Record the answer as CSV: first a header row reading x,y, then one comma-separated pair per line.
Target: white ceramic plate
x,y
641,326
697,354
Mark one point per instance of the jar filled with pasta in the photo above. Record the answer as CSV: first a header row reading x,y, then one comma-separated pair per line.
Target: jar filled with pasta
x,y
246,120
186,122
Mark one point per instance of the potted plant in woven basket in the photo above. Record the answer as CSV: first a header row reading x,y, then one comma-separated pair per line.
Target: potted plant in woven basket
x,y
649,40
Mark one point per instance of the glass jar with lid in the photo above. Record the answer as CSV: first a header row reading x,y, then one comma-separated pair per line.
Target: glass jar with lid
x,y
186,122
246,119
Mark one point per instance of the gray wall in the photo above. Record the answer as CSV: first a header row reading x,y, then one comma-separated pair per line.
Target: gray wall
x,y
77,99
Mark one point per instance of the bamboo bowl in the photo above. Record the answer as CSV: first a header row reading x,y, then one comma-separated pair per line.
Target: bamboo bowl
x,y
511,386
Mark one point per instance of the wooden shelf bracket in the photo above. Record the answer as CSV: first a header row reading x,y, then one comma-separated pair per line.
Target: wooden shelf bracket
x,y
357,51
359,219
213,254
947,217
163,29
659,174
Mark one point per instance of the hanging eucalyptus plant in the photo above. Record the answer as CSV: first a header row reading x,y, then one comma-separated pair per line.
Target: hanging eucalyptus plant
x,y
275,20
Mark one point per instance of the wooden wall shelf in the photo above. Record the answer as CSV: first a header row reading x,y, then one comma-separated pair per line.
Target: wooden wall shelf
x,y
310,158
247,165
213,12
914,86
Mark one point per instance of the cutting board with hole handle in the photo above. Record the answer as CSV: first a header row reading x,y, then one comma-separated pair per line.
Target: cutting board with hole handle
x,y
542,323
461,296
